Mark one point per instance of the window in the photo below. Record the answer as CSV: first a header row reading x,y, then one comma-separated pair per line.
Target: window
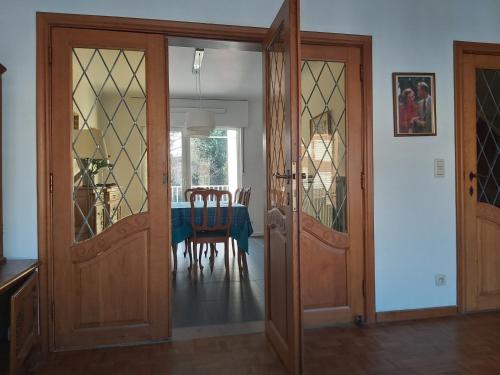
x,y
209,164
212,161
176,165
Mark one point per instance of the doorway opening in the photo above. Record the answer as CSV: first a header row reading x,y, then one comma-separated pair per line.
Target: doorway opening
x,y
208,299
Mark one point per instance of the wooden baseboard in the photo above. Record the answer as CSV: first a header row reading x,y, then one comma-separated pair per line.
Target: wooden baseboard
x,y
400,315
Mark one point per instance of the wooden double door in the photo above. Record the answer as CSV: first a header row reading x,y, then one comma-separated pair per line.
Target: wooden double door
x,y
479,178
109,132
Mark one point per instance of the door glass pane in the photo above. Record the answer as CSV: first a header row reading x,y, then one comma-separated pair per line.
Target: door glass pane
x,y
176,165
323,146
209,160
488,135
109,138
276,112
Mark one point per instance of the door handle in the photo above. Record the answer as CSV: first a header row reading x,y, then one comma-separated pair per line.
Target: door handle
x,y
472,176
302,175
287,176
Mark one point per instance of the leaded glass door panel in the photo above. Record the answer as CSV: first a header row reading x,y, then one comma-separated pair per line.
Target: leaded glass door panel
x,y
331,193
281,54
110,197
481,179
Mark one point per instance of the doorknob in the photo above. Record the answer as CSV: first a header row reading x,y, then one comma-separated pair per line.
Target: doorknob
x,y
472,176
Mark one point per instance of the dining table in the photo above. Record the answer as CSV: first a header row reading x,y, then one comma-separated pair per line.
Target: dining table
x,y
240,230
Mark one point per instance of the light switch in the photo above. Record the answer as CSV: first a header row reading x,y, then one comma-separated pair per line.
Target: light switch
x,y
438,167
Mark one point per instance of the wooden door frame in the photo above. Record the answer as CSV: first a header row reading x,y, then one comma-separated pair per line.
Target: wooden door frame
x,y
44,24
460,50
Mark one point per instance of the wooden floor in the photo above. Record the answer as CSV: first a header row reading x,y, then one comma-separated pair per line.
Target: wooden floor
x,y
234,355
467,344
460,345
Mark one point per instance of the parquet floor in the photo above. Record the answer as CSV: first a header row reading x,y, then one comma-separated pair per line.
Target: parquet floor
x,y
467,344
461,345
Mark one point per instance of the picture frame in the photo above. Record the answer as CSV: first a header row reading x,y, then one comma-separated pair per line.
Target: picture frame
x,y
414,104
321,124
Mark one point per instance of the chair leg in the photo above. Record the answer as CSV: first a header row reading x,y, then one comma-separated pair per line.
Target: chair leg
x,y
244,256
239,260
200,256
232,243
206,250
174,252
190,254
226,256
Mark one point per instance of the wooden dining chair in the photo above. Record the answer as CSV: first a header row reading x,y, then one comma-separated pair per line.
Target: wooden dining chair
x,y
237,195
210,231
187,194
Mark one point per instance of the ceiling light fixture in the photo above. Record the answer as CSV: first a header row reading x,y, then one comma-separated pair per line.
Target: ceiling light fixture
x,y
198,122
198,59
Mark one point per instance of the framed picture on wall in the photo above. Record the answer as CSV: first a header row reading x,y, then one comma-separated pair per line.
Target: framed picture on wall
x,y
414,97
321,124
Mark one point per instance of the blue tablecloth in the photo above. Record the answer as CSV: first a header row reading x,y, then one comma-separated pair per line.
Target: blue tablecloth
x,y
241,228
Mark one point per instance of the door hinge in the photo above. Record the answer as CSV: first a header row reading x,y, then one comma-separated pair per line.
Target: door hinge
x,y
362,180
50,55
53,312
361,72
51,183
363,287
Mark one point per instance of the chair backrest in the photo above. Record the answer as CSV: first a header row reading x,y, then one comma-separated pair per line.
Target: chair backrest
x,y
188,192
245,196
217,197
237,194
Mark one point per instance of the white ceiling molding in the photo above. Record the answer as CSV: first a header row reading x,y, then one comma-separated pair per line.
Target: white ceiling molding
x,y
228,113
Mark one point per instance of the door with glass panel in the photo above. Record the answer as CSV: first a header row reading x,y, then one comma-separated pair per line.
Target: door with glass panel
x,y
110,210
331,237
281,54
481,181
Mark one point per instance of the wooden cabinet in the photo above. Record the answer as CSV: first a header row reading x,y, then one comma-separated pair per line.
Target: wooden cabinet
x,y
106,200
19,307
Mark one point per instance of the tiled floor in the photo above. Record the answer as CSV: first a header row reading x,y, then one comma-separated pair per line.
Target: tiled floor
x,y
206,297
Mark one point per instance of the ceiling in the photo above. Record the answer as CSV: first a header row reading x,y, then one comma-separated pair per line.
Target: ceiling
x,y
225,74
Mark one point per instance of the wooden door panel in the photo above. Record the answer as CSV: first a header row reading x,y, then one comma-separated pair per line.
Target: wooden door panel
x,y
281,58
112,288
481,181
331,236
325,269
111,258
278,281
488,237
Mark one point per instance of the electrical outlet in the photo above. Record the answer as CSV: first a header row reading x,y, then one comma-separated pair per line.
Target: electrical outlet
x,y
440,279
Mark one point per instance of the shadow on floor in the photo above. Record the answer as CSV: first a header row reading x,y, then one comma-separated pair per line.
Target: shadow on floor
x,y
206,297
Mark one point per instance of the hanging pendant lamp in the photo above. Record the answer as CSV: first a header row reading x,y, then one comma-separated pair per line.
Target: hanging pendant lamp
x,y
198,122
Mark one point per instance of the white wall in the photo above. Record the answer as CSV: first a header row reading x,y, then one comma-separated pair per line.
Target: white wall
x,y
415,213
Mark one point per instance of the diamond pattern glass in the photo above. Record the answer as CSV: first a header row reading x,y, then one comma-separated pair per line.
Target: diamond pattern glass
x,y
323,142
277,123
109,138
488,135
